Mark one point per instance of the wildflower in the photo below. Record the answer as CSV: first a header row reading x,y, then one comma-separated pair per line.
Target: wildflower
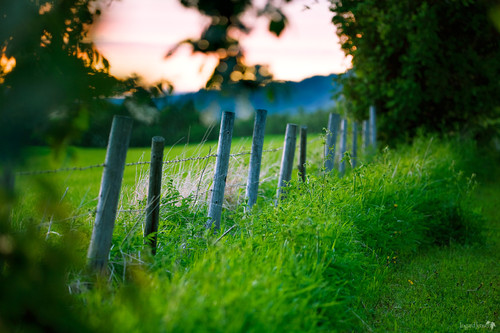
x,y
411,282
395,205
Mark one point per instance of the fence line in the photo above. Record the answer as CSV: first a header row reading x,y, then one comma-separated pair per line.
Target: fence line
x,y
102,165
39,172
109,196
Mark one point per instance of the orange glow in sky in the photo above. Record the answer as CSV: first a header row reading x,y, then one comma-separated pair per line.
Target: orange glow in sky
x,y
135,35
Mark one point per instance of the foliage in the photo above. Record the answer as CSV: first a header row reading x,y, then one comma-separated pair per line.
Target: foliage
x,y
423,64
33,282
50,72
228,19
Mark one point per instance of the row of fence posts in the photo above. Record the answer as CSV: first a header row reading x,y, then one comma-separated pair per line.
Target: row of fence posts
x,y
109,194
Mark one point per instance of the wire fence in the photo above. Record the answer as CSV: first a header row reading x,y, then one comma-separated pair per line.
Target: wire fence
x,y
101,165
195,184
184,186
139,212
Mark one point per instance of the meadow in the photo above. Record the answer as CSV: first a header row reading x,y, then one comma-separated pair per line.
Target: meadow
x,y
336,254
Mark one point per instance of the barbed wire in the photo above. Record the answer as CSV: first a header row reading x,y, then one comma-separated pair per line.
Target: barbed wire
x,y
41,172
175,161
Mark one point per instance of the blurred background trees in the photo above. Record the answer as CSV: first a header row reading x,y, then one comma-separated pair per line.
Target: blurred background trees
x,y
428,65
51,72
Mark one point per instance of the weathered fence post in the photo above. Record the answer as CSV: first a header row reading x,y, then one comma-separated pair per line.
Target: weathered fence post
x,y
221,168
354,155
331,140
373,128
343,145
154,193
366,136
256,157
303,153
287,160
109,194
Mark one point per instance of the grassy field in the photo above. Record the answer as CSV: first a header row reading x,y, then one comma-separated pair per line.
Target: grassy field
x,y
397,244
78,190
448,288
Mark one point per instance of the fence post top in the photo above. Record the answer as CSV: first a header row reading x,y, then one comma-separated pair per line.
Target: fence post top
x,y
158,139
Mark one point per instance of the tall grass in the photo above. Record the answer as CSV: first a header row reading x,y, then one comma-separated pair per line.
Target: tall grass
x,y
310,264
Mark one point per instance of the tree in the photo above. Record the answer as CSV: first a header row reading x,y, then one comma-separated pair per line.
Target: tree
x,y
50,71
219,38
425,64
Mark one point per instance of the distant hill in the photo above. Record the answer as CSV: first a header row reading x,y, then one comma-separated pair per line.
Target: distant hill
x,y
278,97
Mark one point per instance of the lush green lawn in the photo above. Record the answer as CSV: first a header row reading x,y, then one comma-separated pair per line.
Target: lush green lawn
x,y
447,288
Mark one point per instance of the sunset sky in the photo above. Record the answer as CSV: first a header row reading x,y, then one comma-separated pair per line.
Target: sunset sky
x,y
135,35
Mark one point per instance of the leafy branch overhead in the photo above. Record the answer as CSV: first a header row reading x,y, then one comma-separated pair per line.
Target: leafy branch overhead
x,y
220,38
427,64
47,55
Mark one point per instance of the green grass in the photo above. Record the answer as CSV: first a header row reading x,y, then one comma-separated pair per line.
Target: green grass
x,y
439,291
76,192
335,255
448,288
81,182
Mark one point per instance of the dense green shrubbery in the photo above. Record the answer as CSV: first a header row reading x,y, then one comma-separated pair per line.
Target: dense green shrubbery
x,y
416,69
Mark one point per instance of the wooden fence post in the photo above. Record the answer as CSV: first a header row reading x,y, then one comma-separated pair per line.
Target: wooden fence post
x,y
256,157
221,168
331,140
154,193
373,128
109,194
303,153
354,155
343,145
287,160
366,136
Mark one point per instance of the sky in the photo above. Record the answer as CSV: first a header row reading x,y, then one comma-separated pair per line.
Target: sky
x,y
135,35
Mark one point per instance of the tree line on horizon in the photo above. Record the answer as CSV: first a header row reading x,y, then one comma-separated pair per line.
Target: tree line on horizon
x,y
182,123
